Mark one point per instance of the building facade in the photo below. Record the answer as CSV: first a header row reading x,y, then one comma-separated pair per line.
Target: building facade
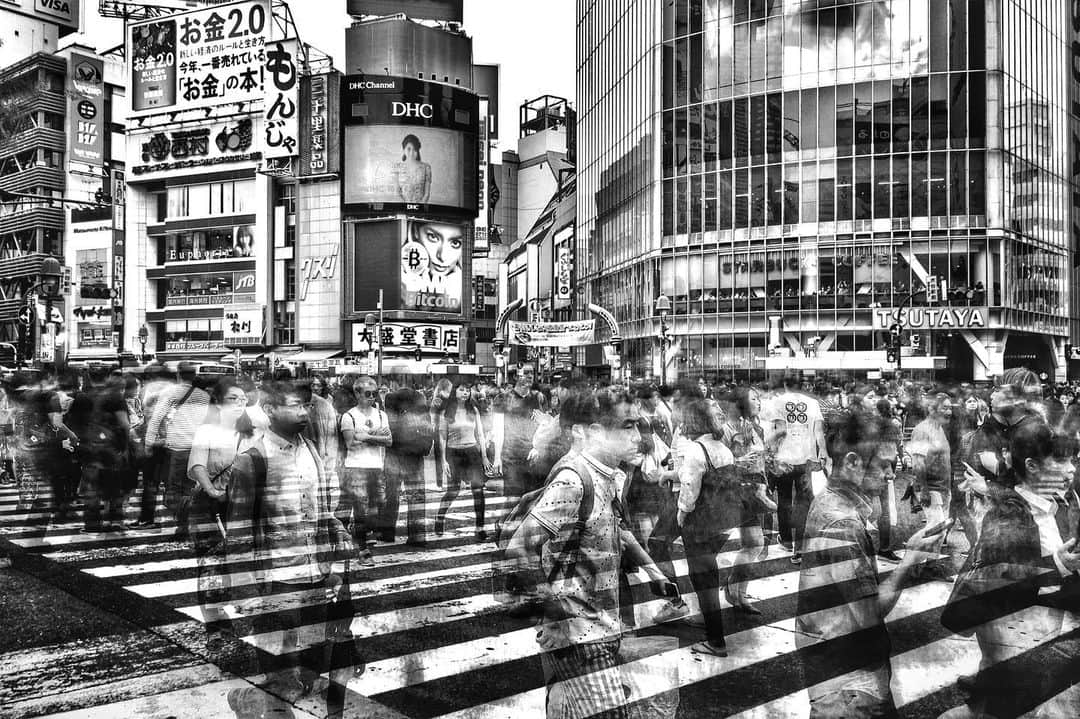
x,y
793,177
416,139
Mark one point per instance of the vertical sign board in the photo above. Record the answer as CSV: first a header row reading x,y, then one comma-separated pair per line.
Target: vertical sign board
x,y
86,108
563,267
281,104
201,58
319,144
119,254
480,243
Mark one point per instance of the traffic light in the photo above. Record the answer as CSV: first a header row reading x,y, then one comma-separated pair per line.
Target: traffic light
x,y
892,355
892,351
933,291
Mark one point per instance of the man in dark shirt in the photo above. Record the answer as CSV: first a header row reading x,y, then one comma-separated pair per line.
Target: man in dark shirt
x,y
842,607
520,414
98,416
1011,406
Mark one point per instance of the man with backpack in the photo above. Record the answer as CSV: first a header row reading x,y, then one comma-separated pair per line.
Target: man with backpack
x,y
573,539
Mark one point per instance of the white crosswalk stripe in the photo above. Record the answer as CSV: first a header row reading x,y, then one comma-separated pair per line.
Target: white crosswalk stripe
x,y
918,673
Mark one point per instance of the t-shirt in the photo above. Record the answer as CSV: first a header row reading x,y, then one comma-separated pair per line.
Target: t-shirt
x,y
215,447
518,424
589,598
364,456
928,440
798,414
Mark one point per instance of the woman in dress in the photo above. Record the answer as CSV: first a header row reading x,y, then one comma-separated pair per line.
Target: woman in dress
x,y
413,174
462,455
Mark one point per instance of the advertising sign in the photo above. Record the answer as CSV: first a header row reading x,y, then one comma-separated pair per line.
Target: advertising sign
x,y
395,165
216,144
243,326
444,10
405,337
201,58
61,12
86,105
319,143
432,279
411,142
931,318
281,116
552,334
564,267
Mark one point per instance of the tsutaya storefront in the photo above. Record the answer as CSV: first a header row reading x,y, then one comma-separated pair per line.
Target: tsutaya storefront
x,y
964,343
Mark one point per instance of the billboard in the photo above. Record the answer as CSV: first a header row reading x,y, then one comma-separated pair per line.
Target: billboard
x,y
444,10
201,58
86,106
409,145
320,132
552,334
375,263
432,277
64,13
407,337
394,165
211,145
281,116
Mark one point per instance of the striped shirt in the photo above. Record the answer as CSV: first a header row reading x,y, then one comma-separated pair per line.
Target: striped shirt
x,y
173,423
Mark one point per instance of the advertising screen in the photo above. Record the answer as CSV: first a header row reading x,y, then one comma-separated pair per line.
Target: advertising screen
x,y
394,164
409,145
432,278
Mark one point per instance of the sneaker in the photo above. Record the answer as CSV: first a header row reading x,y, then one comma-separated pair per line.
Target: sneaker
x,y
796,558
671,612
366,560
890,555
698,620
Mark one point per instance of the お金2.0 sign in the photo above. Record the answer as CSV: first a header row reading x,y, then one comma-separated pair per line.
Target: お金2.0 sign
x,y
199,59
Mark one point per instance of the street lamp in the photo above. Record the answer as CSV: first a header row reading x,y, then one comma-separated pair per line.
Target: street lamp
x,y
51,273
663,308
144,334
375,323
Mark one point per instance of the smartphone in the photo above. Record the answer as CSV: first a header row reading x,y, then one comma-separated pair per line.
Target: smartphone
x,y
970,468
939,528
670,589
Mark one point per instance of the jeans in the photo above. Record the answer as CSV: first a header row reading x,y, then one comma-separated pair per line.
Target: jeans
x,y
178,488
155,468
705,579
363,495
465,466
794,494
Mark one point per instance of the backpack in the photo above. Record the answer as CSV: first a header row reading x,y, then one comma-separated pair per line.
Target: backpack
x,y
511,582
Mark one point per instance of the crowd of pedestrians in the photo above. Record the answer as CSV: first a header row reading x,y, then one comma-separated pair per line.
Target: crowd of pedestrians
x,y
287,486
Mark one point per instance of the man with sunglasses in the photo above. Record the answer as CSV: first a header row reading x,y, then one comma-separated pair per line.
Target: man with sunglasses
x,y
365,430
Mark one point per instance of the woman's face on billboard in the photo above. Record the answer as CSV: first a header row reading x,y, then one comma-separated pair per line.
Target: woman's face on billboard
x,y
410,151
443,243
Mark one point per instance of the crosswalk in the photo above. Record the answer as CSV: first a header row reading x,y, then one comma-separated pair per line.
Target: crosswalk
x,y
438,645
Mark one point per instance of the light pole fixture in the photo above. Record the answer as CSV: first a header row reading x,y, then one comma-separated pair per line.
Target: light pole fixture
x,y
374,322
144,334
663,308
50,275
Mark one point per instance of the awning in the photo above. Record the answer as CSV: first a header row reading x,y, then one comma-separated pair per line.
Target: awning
x,y
312,355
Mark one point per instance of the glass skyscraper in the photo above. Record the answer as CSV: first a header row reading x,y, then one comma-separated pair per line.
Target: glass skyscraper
x,y
793,174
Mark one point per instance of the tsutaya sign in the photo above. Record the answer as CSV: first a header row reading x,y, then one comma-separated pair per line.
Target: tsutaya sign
x,y
931,318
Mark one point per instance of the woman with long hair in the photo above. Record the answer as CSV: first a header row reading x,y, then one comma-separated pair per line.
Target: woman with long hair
x,y
215,447
413,174
744,435
462,455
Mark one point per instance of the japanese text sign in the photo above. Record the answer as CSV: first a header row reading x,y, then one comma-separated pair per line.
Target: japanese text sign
x,y
199,59
243,327
403,337
552,334
281,126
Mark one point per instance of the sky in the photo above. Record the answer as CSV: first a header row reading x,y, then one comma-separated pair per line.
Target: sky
x,y
533,43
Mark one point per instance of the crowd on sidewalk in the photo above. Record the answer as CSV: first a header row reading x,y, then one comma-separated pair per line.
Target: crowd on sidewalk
x,y
287,486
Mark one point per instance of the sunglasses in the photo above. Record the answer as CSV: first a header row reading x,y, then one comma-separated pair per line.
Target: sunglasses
x,y
368,394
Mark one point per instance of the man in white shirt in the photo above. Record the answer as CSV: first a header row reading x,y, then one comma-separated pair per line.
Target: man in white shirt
x,y
795,419
365,431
